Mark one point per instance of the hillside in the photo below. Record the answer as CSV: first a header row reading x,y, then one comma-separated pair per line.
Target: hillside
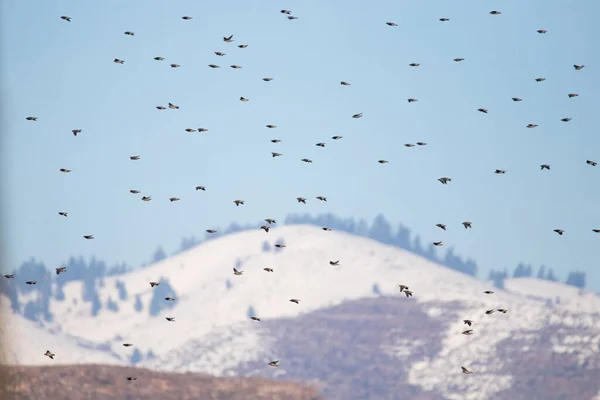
x,y
353,334
101,382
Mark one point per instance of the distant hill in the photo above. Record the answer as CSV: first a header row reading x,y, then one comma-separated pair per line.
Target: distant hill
x,y
102,382
352,335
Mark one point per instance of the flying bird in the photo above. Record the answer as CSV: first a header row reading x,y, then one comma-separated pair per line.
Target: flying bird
x,y
592,163
495,12
228,39
49,354
467,321
170,319
88,237
545,166
153,284
238,202
60,269
30,282
9,276
467,225
118,61
76,131
172,199
301,200
295,301
441,226
237,272
444,19
559,231
274,363
146,198
268,269
187,18
466,371
516,99
200,188
134,158
356,116
31,118
578,67
173,106
65,170
445,180
500,171
334,262
175,65
438,243
383,161
571,95
270,221
458,59
322,198
540,79
66,18
255,319
129,33
242,46
391,24
265,228
63,213
541,31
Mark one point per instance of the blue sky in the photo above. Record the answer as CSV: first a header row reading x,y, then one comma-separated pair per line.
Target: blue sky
x,y
62,72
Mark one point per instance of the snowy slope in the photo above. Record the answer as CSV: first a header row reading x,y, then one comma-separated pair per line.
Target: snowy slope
x,y
568,296
213,318
25,342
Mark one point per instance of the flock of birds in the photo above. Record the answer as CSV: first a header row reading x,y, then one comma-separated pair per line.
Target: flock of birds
x,y
443,180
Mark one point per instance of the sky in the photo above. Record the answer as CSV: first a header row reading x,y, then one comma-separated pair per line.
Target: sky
x,y
63,73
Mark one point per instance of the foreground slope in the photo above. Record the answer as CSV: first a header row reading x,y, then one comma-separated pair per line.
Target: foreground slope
x,y
335,337
101,382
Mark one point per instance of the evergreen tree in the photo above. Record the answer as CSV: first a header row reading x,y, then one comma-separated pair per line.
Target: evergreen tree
x,y
121,290
362,229
266,247
138,303
158,302
136,356
577,279
381,230
251,312
550,276
158,255
402,238
375,289
111,305
541,272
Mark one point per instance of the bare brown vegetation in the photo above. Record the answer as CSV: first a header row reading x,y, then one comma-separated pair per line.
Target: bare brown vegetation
x,y
103,382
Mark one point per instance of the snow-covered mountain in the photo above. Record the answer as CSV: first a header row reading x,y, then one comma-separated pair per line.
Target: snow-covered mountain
x,y
352,314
